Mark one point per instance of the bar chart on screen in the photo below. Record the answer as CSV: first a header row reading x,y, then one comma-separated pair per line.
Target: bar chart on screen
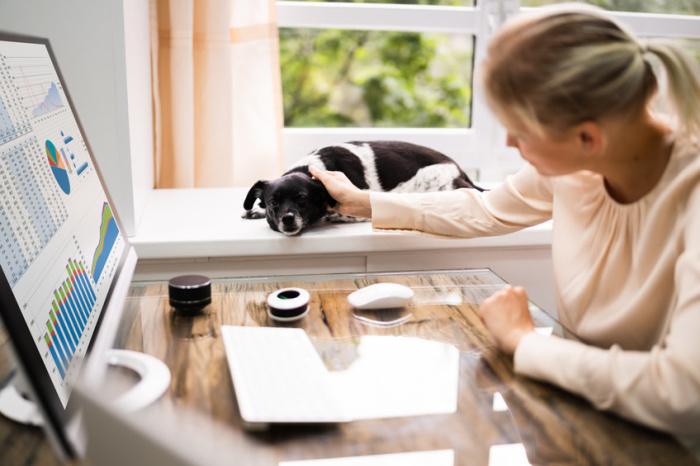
x,y
62,314
69,315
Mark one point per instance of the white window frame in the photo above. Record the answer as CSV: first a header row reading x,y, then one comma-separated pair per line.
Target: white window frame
x,y
480,149
480,21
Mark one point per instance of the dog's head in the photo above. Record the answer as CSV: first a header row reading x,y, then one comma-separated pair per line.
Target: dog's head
x,y
291,202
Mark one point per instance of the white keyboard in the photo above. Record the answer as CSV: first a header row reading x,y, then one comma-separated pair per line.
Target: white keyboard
x,y
279,377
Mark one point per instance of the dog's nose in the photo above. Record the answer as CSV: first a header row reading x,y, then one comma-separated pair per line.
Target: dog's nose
x,y
288,219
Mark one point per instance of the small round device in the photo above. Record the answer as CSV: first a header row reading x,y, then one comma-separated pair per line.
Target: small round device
x,y
189,293
288,304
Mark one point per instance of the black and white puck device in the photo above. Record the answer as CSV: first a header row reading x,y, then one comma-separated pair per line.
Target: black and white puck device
x,y
288,304
189,293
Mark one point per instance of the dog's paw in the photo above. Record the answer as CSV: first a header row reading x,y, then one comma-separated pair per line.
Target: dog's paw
x,y
252,214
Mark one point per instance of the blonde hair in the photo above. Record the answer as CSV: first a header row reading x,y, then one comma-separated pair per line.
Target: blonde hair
x,y
562,66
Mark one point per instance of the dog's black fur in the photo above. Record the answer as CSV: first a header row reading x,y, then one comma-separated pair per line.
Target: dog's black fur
x,y
296,200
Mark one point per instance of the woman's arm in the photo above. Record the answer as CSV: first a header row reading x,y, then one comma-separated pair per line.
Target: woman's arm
x,y
524,199
659,388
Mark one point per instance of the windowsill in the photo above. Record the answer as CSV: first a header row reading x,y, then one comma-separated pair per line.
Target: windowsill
x,y
189,223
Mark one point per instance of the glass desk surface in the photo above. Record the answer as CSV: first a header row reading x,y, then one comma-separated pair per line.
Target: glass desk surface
x,y
500,419
496,409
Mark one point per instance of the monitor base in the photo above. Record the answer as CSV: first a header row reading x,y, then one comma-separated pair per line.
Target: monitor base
x,y
16,404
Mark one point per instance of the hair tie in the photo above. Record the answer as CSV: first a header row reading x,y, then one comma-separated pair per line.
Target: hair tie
x,y
643,48
645,52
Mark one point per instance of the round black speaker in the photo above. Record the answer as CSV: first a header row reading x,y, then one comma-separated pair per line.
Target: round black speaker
x,y
189,293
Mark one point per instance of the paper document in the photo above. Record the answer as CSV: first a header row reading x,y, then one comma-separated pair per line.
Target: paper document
x,y
278,376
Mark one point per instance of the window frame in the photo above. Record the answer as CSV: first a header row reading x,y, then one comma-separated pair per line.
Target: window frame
x,y
479,22
480,149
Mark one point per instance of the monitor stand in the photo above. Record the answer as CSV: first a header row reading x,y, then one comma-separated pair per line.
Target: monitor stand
x,y
16,404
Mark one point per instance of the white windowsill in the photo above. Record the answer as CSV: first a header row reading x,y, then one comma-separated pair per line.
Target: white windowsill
x,y
195,223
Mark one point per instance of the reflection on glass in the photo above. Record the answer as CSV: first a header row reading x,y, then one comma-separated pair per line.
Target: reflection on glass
x,y
399,376
499,404
509,454
381,322
421,458
450,298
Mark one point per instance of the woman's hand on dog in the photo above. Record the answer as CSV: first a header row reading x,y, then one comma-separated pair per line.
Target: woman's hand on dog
x,y
351,200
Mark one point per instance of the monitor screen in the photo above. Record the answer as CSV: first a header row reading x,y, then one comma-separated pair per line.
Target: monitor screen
x,y
60,241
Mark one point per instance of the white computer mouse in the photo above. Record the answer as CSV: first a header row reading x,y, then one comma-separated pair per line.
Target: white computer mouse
x,y
381,296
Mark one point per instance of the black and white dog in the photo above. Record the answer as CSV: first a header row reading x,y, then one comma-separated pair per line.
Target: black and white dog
x,y
296,200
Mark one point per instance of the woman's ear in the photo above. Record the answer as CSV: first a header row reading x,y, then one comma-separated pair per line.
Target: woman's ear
x,y
590,138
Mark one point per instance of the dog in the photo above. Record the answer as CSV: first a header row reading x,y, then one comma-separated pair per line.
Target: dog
x,y
296,200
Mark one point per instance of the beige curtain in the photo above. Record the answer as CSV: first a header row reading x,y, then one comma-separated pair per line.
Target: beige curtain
x,y
216,92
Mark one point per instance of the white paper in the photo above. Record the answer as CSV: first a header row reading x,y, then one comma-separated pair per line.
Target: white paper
x,y
508,454
279,377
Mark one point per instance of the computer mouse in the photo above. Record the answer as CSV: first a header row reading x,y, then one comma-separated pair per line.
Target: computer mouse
x,y
381,296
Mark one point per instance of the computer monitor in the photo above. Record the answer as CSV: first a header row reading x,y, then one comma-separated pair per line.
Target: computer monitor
x,y
66,263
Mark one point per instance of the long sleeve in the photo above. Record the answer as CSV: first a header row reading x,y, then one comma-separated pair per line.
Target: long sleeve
x,y
523,200
659,387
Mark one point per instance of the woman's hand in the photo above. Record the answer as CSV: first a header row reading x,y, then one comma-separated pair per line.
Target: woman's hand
x,y
506,315
351,200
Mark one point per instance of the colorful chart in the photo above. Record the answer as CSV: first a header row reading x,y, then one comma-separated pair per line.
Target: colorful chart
x,y
69,315
58,168
108,235
69,155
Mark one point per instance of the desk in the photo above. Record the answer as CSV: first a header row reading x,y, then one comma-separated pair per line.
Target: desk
x,y
555,427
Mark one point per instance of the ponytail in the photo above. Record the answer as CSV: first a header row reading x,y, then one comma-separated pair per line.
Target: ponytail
x,y
683,83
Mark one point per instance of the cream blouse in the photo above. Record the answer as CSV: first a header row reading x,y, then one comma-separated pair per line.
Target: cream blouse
x,y
627,281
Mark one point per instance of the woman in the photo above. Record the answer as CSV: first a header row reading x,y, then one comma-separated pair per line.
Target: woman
x,y
574,91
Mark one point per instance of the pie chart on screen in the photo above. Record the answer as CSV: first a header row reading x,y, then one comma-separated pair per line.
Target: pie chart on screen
x,y
58,168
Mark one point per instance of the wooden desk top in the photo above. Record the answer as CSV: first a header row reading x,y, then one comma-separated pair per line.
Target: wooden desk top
x,y
554,427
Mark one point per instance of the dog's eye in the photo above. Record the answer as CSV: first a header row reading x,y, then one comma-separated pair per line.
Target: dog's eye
x,y
273,203
301,198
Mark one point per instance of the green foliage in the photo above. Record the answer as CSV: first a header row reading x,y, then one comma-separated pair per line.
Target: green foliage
x,y
334,78
381,79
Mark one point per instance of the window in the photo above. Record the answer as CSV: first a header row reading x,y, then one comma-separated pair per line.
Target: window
x,y
386,70
403,69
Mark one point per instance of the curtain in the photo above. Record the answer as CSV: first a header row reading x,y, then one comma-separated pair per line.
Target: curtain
x,y
217,99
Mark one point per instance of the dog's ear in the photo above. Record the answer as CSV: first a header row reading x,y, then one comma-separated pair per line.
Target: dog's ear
x,y
256,192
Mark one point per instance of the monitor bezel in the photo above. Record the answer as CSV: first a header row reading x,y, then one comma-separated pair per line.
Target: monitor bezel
x,y
27,355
